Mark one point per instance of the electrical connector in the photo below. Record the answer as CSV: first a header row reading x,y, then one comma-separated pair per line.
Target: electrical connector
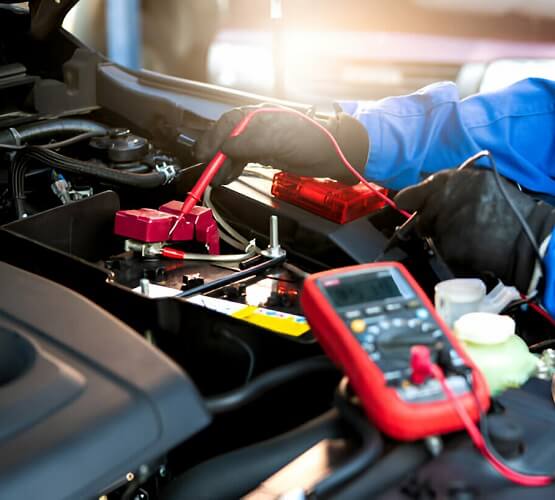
x,y
420,364
147,225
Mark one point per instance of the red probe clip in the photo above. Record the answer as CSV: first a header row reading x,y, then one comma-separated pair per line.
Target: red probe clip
x,y
195,195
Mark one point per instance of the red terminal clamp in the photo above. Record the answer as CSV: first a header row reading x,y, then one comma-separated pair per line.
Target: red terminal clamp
x,y
176,221
328,198
153,226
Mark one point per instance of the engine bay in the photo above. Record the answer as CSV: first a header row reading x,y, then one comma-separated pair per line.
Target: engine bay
x,y
224,391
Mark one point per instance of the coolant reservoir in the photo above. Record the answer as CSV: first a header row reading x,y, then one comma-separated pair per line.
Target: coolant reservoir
x,y
501,355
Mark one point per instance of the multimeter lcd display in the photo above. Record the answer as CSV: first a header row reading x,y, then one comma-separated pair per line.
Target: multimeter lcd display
x,y
361,289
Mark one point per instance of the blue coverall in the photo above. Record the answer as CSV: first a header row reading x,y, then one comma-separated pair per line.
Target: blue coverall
x,y
432,129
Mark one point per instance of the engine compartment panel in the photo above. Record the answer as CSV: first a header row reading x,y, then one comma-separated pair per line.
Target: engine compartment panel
x,y
93,389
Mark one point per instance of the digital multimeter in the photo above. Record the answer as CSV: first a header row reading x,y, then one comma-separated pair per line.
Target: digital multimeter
x,y
367,318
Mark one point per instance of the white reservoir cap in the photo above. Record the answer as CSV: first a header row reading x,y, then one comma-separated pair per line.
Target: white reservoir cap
x,y
461,290
484,328
457,297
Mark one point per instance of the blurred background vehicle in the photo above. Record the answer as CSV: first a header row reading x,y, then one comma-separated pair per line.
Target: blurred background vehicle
x,y
172,37
316,52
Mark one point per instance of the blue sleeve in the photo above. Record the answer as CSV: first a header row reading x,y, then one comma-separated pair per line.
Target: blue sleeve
x,y
549,290
415,135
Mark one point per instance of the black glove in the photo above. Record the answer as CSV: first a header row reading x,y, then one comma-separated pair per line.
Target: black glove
x,y
474,228
287,142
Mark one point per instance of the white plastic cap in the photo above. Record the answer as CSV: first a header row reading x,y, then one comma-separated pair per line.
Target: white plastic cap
x,y
461,290
484,328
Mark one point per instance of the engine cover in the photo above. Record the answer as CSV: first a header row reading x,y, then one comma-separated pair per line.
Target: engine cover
x,y
83,398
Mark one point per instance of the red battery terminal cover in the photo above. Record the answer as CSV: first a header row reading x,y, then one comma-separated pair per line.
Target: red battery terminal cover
x,y
327,198
148,225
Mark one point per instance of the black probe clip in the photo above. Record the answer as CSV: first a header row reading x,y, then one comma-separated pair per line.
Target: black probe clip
x,y
402,233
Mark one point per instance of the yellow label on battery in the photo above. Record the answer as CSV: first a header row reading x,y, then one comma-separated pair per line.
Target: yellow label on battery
x,y
284,323
276,321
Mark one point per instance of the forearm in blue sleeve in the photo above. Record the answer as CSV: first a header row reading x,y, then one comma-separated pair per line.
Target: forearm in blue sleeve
x,y
415,135
549,288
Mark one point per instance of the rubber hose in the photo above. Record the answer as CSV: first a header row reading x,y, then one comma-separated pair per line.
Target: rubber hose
x,y
360,461
263,383
234,474
49,128
388,472
98,170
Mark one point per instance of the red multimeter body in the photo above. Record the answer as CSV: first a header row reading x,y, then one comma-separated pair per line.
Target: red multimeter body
x,y
366,318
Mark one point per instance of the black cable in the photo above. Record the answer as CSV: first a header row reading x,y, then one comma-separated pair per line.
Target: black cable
x,y
99,170
516,303
54,145
235,277
518,215
12,147
540,346
187,169
17,184
70,141
65,163
131,489
247,348
400,234
370,451
46,129
240,397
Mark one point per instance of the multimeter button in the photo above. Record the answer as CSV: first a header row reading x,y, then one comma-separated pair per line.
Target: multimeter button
x,y
376,356
375,319
413,322
455,358
371,311
437,334
393,377
367,339
369,347
397,322
385,325
412,304
373,329
355,313
422,313
393,307
427,327
358,325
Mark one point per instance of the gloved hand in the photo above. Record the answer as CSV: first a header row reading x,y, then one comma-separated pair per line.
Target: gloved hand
x,y
287,142
474,228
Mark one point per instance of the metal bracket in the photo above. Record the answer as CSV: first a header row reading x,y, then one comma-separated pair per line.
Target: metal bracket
x,y
145,249
167,170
